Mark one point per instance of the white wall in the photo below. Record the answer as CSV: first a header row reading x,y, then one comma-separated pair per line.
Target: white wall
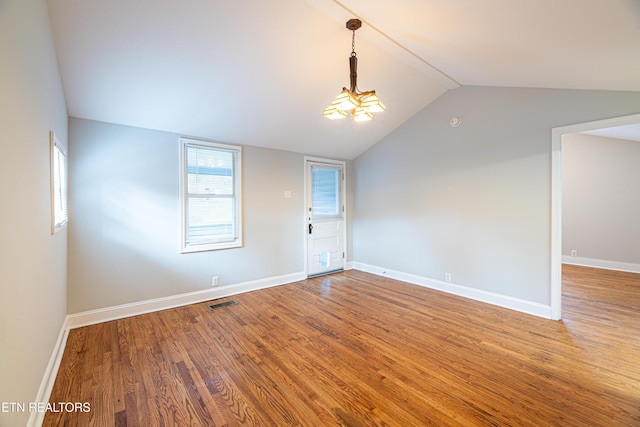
x,y
472,201
601,198
124,231
32,261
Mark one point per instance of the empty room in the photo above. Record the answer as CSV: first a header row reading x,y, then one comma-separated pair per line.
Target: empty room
x,y
320,213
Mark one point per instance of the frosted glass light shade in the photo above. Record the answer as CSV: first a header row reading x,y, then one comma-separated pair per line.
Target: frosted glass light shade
x,y
345,101
372,104
362,115
333,113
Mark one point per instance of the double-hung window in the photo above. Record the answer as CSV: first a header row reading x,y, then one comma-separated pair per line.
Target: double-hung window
x,y
210,199
59,216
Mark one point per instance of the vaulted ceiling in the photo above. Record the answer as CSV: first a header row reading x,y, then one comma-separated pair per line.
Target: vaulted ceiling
x,y
261,72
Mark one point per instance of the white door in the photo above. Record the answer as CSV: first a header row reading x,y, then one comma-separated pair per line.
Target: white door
x,y
325,217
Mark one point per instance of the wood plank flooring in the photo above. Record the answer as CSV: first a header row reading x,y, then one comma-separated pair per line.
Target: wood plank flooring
x,y
353,349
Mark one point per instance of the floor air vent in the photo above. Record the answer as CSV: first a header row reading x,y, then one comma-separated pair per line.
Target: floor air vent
x,y
222,304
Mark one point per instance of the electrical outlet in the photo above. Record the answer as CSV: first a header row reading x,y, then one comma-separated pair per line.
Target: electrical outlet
x,y
215,281
574,252
447,277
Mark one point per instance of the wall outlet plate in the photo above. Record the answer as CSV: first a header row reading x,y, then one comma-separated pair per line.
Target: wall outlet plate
x,y
215,281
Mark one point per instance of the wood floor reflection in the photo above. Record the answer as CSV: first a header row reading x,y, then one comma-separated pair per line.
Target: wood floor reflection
x,y
354,349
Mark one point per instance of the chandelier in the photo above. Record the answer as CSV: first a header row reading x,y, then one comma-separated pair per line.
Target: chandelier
x,y
350,102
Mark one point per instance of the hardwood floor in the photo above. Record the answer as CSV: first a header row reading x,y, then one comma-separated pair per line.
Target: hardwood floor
x,y
353,349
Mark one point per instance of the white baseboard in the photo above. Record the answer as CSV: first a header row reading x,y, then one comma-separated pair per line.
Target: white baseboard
x,y
600,263
91,317
505,301
49,378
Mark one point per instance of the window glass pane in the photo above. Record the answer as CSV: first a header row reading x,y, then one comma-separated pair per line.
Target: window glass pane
x,y
59,187
209,171
325,187
210,220
211,202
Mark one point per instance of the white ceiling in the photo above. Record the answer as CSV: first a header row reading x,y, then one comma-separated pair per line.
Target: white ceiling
x,y
260,73
628,132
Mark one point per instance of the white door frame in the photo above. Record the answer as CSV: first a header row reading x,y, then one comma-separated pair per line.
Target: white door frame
x,y
305,231
556,199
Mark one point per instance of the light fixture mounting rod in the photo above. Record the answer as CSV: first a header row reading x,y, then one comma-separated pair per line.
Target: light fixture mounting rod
x,y
354,24
353,73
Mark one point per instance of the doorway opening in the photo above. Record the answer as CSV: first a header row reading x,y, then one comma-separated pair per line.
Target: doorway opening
x,y
556,198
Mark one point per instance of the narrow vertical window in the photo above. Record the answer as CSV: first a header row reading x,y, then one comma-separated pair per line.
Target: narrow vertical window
x,y
210,182
58,185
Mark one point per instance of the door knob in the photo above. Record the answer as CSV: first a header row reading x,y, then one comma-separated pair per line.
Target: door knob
x,y
310,228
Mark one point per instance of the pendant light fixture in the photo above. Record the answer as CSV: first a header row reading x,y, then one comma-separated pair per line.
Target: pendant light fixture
x,y
358,105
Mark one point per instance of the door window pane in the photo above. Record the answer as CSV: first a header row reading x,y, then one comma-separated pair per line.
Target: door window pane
x,y
326,185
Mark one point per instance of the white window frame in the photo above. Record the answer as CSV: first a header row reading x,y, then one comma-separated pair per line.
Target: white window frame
x,y
237,175
59,184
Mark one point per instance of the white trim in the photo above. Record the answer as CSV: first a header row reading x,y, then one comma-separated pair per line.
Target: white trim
x,y
343,164
236,242
556,224
49,378
556,199
106,314
504,301
601,263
